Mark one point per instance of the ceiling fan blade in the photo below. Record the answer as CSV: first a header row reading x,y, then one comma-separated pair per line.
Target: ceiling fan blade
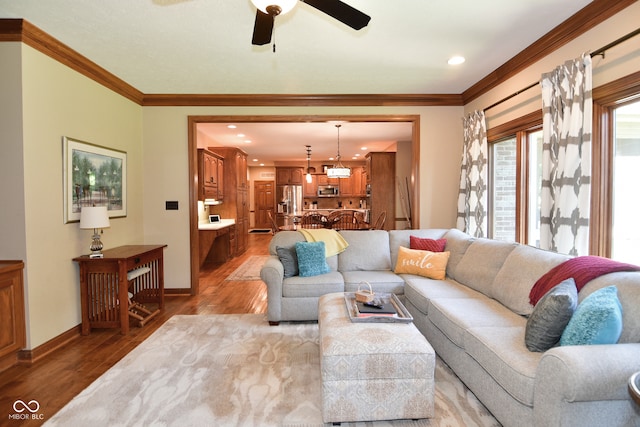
x,y
262,28
342,12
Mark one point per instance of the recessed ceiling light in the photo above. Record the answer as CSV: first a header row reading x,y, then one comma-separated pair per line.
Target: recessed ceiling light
x,y
255,160
240,135
261,164
456,60
363,148
247,141
330,158
231,126
357,154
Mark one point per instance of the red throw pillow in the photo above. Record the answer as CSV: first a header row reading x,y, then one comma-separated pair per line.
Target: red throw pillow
x,y
427,244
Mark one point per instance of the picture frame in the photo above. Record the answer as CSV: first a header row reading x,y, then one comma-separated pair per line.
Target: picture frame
x,y
93,176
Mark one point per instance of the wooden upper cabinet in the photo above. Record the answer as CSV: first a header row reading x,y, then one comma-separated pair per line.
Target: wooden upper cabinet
x,y
289,176
325,180
311,189
210,172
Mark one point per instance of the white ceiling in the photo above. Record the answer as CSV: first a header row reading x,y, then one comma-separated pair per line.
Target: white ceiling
x,y
204,47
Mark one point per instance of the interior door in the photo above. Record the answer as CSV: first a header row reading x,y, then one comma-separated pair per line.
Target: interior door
x,y
265,200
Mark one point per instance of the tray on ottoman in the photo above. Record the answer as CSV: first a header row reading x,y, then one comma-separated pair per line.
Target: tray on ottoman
x,y
403,315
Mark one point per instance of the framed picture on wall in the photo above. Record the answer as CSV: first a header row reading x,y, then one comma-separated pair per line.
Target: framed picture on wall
x,y
93,176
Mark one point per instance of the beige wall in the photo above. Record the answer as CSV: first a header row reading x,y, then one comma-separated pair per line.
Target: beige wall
x,y
44,100
619,61
57,102
166,169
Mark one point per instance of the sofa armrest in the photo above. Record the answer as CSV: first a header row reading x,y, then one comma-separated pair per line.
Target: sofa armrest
x,y
574,374
272,274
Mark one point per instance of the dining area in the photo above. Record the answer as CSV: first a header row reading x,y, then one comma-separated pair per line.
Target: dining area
x,y
343,219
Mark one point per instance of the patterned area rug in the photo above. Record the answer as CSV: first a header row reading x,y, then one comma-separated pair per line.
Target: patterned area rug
x,y
234,370
250,269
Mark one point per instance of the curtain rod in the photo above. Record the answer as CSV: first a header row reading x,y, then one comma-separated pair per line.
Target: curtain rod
x,y
600,51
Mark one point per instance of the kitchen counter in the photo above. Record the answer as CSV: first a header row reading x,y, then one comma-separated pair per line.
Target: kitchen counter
x,y
216,225
215,241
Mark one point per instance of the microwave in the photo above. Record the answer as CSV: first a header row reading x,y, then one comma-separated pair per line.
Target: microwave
x,y
328,191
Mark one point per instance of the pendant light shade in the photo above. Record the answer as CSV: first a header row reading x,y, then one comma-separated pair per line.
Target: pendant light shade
x,y
338,170
308,177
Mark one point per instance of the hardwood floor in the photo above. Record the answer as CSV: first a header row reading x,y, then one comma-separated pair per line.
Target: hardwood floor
x,y
55,379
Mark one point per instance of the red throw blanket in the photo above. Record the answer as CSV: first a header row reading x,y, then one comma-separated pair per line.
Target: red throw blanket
x,y
582,269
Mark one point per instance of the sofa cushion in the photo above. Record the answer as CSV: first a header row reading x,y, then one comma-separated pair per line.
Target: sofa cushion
x,y
423,263
311,258
454,316
314,286
399,238
425,244
627,285
420,290
481,262
522,268
597,320
289,260
380,281
367,251
457,244
502,354
550,316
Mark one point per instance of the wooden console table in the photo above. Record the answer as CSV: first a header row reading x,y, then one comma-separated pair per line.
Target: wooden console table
x,y
104,285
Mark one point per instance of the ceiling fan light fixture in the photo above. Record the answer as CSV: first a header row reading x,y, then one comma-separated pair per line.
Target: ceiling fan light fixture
x,y
338,170
274,7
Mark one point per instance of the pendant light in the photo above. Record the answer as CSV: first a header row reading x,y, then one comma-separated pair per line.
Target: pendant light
x,y
309,179
338,170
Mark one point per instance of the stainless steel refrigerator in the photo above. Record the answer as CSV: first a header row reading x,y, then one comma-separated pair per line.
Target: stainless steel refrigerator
x,y
289,200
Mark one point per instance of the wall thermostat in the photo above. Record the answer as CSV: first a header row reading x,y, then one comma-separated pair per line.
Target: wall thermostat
x,y
214,218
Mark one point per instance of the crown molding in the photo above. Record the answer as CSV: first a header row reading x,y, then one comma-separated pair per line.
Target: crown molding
x,y
585,19
579,23
302,100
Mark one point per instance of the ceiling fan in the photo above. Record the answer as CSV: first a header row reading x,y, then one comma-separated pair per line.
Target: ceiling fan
x,y
269,9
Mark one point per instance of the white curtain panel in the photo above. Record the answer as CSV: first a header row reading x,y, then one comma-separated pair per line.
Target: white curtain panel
x,y
472,196
566,157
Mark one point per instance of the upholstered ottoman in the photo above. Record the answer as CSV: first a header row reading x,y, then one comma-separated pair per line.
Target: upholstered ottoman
x,y
372,371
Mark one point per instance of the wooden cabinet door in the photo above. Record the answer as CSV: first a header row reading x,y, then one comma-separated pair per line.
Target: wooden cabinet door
x,y
296,177
311,189
220,179
12,317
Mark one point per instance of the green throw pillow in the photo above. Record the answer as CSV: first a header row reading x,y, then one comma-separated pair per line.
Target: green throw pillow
x,y
597,320
551,316
312,259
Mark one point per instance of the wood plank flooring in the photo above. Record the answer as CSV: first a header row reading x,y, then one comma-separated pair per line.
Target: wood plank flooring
x,y
55,379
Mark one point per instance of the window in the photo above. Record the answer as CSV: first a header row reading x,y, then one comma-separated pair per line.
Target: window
x,y
503,190
514,196
625,239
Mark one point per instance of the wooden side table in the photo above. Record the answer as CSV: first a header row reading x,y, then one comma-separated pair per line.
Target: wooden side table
x,y
104,286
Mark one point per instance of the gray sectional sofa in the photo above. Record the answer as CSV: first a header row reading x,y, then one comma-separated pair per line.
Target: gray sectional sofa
x,y
475,320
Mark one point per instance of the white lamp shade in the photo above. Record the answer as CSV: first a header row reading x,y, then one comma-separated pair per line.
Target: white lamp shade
x,y
338,172
285,5
94,217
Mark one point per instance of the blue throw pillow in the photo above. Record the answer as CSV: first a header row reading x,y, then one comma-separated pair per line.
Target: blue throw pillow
x,y
312,260
597,320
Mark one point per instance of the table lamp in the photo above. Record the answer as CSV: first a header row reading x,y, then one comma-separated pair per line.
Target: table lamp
x,y
95,217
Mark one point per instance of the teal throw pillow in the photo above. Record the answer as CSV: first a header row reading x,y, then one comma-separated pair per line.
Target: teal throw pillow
x,y
289,260
551,316
312,260
597,320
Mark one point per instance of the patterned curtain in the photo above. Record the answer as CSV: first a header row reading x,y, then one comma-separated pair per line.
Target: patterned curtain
x,y
566,157
472,197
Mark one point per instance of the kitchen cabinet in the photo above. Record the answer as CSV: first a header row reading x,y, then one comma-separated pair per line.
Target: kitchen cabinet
x,y
381,176
325,180
289,176
352,186
310,189
12,318
236,190
210,175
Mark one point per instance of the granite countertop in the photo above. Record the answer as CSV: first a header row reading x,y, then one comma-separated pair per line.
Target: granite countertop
x,y
216,225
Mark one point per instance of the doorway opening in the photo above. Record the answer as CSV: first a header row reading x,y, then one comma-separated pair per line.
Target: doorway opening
x,y
194,121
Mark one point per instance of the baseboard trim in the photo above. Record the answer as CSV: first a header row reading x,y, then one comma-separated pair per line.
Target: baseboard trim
x,y
177,291
33,355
